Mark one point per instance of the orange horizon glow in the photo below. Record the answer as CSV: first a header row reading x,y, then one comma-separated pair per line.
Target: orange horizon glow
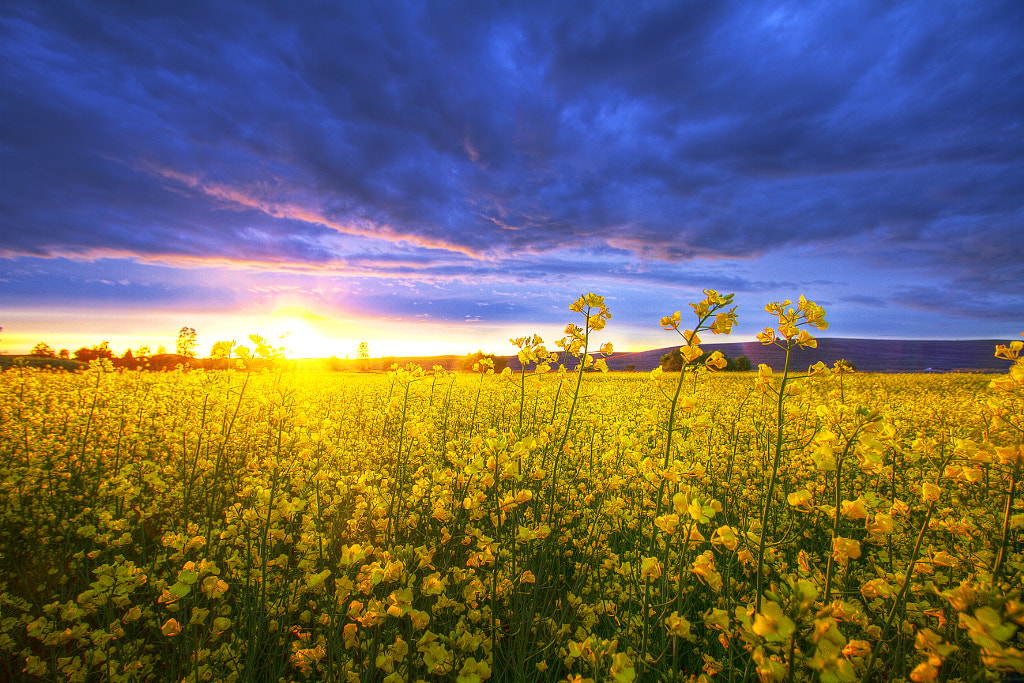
x,y
303,334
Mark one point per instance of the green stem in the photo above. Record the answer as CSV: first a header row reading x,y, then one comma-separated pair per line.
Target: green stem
x,y
780,416
1007,511
899,601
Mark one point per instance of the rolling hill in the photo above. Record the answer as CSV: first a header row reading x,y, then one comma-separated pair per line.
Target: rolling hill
x,y
867,355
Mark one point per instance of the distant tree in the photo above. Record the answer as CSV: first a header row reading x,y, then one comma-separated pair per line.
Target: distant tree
x,y
673,362
222,349
187,343
43,350
128,360
94,353
630,368
65,354
161,350
363,355
470,360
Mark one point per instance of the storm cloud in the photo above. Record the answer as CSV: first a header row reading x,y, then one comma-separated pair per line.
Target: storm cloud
x,y
659,144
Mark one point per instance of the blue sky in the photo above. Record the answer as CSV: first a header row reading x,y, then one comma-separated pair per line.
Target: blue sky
x,y
441,176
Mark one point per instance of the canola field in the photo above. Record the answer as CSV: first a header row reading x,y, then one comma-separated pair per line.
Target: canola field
x,y
791,524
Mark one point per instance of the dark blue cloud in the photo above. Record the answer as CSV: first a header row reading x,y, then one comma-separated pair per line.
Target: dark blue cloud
x,y
615,141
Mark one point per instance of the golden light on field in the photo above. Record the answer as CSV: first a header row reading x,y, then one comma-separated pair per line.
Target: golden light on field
x,y
304,334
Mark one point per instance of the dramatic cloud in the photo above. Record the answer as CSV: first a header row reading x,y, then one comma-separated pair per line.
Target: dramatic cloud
x,y
874,151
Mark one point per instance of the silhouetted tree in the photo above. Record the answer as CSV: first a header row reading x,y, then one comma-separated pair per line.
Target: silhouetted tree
x,y
472,359
43,350
673,362
65,354
89,354
187,342
363,355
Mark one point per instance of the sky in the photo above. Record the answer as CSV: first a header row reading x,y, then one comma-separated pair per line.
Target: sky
x,y
437,177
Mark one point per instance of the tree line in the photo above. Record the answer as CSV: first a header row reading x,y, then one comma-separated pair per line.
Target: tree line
x,y
673,362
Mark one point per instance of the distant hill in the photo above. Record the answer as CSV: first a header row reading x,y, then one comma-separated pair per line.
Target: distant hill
x,y
867,355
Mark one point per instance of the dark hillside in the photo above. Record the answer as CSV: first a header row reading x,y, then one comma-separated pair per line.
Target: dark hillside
x,y
867,355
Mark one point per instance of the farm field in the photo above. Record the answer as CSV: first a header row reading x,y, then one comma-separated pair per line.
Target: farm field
x,y
794,523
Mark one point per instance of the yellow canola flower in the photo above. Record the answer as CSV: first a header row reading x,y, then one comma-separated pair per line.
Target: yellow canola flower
x,y
763,382
716,619
702,512
801,500
693,536
650,568
806,340
690,352
877,588
882,524
930,492
924,672
829,657
171,628
724,322
622,670
855,509
987,630
474,672
680,503
221,624
930,644
768,669
433,584
316,581
716,361
678,626
1010,352
772,624
818,368
844,550
704,568
671,322
667,523
725,536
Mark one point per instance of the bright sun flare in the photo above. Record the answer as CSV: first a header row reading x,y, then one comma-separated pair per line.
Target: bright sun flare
x,y
301,340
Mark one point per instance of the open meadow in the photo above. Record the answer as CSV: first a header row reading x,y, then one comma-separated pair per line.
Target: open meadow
x,y
789,524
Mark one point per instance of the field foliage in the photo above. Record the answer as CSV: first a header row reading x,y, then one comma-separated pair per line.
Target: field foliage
x,y
790,524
